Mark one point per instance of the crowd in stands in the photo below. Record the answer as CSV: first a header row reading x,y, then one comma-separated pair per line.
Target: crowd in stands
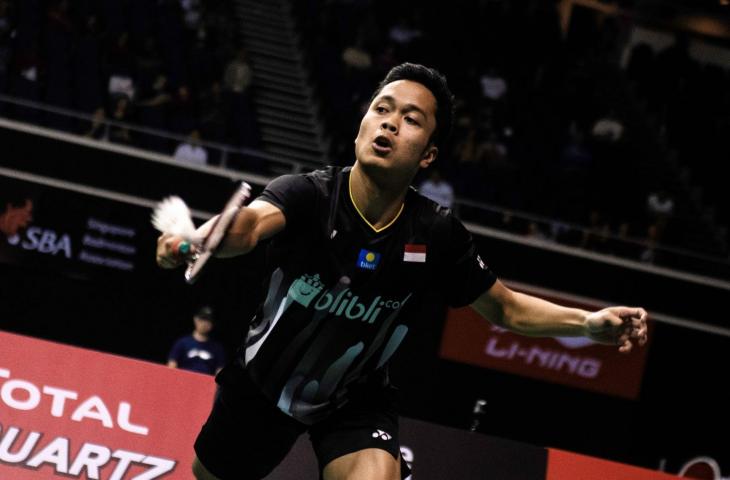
x,y
690,103
169,65
542,124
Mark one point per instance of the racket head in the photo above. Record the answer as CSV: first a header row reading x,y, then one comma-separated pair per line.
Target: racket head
x,y
217,232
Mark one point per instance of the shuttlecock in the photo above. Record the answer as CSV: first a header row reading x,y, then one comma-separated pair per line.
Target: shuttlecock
x,y
172,216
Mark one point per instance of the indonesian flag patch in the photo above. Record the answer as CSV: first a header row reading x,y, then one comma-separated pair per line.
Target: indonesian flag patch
x,y
414,252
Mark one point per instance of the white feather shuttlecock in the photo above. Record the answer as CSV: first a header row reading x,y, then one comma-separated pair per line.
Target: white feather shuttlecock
x,y
172,216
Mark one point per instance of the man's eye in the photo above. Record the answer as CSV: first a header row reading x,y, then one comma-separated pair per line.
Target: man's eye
x,y
411,121
380,109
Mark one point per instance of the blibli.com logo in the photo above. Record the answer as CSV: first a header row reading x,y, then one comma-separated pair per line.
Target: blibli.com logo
x,y
307,288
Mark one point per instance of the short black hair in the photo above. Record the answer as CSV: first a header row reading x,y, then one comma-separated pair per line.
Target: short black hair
x,y
205,313
433,80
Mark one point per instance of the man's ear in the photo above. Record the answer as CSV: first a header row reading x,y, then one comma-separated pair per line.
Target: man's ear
x,y
429,155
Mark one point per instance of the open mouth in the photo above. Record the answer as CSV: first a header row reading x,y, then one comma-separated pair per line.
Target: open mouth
x,y
382,145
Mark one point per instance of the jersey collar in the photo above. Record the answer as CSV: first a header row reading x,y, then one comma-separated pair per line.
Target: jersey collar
x,y
352,200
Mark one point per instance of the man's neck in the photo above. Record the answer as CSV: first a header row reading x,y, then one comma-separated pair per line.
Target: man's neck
x,y
379,205
200,337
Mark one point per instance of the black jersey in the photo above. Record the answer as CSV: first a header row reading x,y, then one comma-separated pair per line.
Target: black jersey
x,y
340,293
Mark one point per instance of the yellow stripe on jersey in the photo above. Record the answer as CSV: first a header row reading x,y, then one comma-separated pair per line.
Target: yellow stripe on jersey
x,y
352,199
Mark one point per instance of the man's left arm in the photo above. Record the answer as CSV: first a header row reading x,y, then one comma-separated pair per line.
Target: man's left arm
x,y
528,315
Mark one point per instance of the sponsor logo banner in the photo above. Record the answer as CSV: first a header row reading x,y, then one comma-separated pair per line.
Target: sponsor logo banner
x,y
77,234
574,361
73,413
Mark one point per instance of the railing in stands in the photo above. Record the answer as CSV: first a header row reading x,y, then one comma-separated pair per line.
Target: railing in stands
x,y
530,228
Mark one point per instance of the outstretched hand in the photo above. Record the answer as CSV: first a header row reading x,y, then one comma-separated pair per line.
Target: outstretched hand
x,y
621,326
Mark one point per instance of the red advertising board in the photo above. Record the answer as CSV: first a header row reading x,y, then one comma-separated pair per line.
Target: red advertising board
x,y
73,413
572,466
67,412
576,362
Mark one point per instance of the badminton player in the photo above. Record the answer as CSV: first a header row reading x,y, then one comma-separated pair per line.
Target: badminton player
x,y
352,253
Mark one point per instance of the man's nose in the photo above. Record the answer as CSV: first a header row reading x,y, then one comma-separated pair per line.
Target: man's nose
x,y
388,125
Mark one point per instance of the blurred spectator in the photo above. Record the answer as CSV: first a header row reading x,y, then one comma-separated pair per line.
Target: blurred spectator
x,y
190,151
608,128
15,215
87,84
213,113
468,154
121,86
494,86
535,232
237,80
438,189
659,207
513,224
119,66
623,245
571,177
198,352
98,127
356,57
648,255
120,133
183,115
501,172
25,83
153,101
191,13
148,65
237,76
403,32
597,236
575,157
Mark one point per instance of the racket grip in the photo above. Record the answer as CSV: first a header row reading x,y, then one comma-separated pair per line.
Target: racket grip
x,y
181,248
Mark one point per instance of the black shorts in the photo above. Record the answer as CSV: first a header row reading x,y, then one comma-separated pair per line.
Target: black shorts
x,y
246,436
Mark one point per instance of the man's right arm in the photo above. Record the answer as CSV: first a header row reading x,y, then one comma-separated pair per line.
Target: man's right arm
x,y
258,221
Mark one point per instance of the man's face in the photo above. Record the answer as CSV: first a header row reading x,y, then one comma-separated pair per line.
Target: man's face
x,y
394,133
16,218
203,325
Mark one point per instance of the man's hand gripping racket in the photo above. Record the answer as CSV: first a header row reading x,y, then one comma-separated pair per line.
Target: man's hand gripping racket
x,y
172,217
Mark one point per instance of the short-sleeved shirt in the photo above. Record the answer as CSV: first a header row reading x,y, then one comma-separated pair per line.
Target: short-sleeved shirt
x,y
191,354
341,294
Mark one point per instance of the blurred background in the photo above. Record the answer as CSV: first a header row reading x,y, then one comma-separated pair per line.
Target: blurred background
x,y
586,159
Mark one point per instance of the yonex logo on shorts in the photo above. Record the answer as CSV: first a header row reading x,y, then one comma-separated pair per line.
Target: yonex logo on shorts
x,y
481,263
383,435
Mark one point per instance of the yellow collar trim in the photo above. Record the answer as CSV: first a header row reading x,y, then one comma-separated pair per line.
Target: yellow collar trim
x,y
352,199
